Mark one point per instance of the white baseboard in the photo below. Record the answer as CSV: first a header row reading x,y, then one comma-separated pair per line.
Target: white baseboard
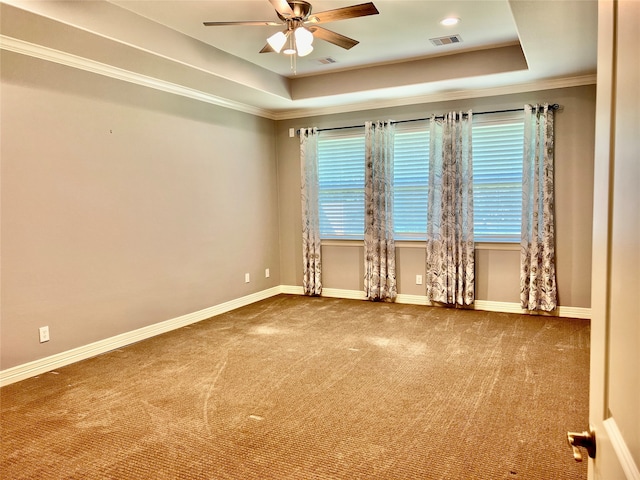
x,y
348,294
291,289
31,369
620,447
509,307
484,305
575,312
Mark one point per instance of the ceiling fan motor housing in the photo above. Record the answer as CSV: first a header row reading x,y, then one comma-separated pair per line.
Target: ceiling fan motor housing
x,y
301,10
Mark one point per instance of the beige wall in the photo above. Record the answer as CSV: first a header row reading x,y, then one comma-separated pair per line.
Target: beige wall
x,y
122,206
497,271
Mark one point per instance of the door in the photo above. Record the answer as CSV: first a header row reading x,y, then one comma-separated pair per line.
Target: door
x,y
615,327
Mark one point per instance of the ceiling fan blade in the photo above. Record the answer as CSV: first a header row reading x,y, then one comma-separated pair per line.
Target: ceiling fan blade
x,y
282,7
333,37
267,49
353,11
254,24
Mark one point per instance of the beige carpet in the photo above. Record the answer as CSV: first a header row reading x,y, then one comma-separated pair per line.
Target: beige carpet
x,y
313,388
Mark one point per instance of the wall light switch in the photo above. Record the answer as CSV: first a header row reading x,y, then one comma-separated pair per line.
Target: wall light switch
x,y
247,278
292,132
418,279
266,273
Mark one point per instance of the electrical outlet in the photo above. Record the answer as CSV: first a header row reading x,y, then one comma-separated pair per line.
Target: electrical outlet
x,y
418,279
266,273
44,334
247,278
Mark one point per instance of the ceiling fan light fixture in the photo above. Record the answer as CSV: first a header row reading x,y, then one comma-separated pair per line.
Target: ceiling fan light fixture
x,y
304,39
303,36
304,51
277,41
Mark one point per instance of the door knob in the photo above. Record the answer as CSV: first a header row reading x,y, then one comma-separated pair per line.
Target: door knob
x,y
586,440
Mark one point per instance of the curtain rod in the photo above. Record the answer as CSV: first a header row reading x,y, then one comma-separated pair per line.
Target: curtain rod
x,y
554,106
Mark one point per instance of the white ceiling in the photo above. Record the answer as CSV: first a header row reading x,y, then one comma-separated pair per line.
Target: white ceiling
x,y
394,61
401,31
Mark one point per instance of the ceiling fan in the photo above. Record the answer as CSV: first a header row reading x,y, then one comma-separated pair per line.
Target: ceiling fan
x,y
301,26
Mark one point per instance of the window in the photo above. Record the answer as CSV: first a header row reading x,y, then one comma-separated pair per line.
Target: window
x,y
411,178
341,189
497,180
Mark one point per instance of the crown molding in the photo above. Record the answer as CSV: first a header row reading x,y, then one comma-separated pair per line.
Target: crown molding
x,y
547,84
81,63
63,58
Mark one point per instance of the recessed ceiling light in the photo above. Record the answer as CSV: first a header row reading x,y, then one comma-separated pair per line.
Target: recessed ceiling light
x,y
450,21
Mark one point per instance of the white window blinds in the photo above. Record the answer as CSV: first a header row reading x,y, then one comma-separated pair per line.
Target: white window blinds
x,y
411,177
497,180
341,189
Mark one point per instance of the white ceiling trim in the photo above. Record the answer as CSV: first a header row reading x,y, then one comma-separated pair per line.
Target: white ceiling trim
x,y
81,63
549,84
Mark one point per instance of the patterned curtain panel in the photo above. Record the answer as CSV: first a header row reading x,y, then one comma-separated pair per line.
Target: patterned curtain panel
x,y
379,247
311,258
450,247
538,290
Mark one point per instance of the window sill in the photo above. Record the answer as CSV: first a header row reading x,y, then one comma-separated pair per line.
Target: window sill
x,y
498,246
502,246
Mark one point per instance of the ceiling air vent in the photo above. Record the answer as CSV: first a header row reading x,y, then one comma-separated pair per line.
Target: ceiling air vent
x,y
326,60
448,40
